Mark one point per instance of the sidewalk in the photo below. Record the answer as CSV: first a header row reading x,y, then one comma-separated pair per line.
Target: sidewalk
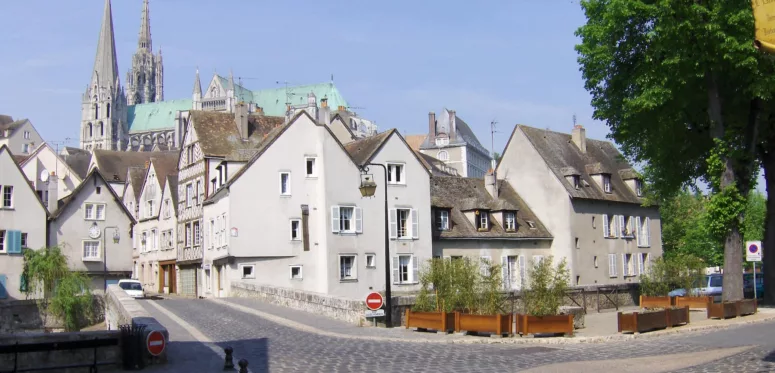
x,y
599,327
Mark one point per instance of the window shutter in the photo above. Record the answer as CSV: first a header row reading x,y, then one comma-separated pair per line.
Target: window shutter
x,y
606,233
637,230
393,224
625,273
640,264
484,265
522,271
358,220
648,232
611,265
415,269
415,225
23,283
14,242
622,225
505,272
335,219
394,263
3,292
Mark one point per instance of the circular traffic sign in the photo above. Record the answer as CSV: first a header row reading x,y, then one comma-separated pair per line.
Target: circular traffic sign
x,y
753,248
374,301
155,343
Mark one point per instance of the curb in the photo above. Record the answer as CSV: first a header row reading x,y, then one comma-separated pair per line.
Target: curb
x,y
481,340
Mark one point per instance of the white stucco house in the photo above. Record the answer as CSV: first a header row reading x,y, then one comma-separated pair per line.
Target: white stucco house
x,y
293,217
51,175
589,198
20,136
85,227
22,225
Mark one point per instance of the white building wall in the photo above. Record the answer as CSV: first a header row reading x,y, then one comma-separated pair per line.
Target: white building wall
x,y
46,160
18,144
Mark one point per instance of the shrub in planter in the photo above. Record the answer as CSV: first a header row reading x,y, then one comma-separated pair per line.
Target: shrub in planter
x,y
543,298
665,275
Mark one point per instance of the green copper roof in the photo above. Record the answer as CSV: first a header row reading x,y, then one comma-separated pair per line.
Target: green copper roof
x,y
155,115
273,100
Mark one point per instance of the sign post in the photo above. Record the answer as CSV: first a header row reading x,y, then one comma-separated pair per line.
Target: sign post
x,y
155,343
753,253
374,303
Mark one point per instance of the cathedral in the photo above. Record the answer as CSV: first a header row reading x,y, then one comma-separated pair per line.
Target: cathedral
x,y
139,119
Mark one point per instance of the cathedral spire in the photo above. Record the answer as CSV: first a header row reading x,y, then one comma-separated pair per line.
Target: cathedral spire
x,y
197,84
144,41
106,63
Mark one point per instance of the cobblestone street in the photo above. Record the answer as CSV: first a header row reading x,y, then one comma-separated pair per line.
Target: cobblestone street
x,y
271,347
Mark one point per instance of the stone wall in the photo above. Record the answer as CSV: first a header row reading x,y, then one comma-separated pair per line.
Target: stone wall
x,y
26,316
54,358
121,309
348,310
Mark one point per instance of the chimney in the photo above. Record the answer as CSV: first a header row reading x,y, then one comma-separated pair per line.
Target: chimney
x,y
489,184
341,108
324,102
241,119
53,186
324,113
579,137
259,110
452,129
431,126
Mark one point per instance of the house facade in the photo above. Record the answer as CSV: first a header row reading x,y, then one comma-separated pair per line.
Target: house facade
x,y
20,136
589,198
154,253
86,226
321,236
452,141
22,224
484,219
42,166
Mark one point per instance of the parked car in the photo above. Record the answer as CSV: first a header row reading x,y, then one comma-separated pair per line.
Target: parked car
x,y
133,288
710,286
748,285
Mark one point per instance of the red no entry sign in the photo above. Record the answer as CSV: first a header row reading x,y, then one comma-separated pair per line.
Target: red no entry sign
x,y
374,301
155,343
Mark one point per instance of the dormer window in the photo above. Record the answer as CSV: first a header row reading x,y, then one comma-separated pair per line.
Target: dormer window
x,y
531,224
607,183
482,220
639,187
510,221
442,220
576,181
442,141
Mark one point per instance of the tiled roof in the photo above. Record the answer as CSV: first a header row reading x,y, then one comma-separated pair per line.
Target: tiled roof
x,y
218,135
433,165
155,115
136,178
78,161
11,126
560,153
114,164
172,180
165,164
461,194
363,150
19,159
414,141
5,119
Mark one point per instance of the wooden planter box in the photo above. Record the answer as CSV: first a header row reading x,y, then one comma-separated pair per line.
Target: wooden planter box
x,y
527,324
693,302
639,322
439,321
655,302
495,324
726,310
677,316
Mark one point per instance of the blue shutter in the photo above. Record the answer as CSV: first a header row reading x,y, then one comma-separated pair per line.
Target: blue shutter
x,y
14,242
3,292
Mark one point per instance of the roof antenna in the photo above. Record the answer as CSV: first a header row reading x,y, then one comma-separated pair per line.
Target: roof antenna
x,y
493,162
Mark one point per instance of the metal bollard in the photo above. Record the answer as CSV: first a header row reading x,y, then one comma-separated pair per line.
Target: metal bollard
x,y
229,363
243,366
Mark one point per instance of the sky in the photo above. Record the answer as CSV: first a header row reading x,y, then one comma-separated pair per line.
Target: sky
x,y
394,61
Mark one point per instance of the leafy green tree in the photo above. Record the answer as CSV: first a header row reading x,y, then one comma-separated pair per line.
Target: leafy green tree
x,y
58,291
684,91
547,286
685,229
669,273
755,213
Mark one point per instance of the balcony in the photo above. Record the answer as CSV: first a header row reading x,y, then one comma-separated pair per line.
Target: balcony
x,y
214,104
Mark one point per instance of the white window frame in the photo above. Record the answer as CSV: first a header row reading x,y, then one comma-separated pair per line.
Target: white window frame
x,y
144,241
442,220
371,258
212,233
610,226
638,187
353,267
301,272
412,269
482,220
643,259
407,231
442,155
392,167
298,229
441,141
356,219
188,232
612,265
314,161
189,194
485,265
167,208
95,210
642,237
287,174
95,258
510,221
576,181
242,271
154,239
607,183
196,231
628,269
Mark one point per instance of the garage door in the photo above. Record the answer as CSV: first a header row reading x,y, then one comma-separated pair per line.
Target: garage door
x,y
188,281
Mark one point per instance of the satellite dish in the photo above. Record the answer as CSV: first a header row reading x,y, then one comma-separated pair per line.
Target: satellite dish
x,y
44,176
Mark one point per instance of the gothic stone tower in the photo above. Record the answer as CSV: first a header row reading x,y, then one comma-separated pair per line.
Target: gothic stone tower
x,y
103,109
145,81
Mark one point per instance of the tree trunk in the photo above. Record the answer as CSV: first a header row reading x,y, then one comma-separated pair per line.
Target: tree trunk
x,y
768,246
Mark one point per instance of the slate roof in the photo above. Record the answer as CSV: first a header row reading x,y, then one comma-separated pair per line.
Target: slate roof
x,y
78,161
164,165
560,153
114,164
19,159
461,194
463,133
219,137
5,119
361,151
136,179
172,180
11,126
432,164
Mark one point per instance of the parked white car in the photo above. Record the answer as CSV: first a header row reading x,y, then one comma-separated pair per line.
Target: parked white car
x,y
133,288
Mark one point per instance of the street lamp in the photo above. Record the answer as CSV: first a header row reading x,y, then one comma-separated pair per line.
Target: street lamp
x,y
116,239
368,187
